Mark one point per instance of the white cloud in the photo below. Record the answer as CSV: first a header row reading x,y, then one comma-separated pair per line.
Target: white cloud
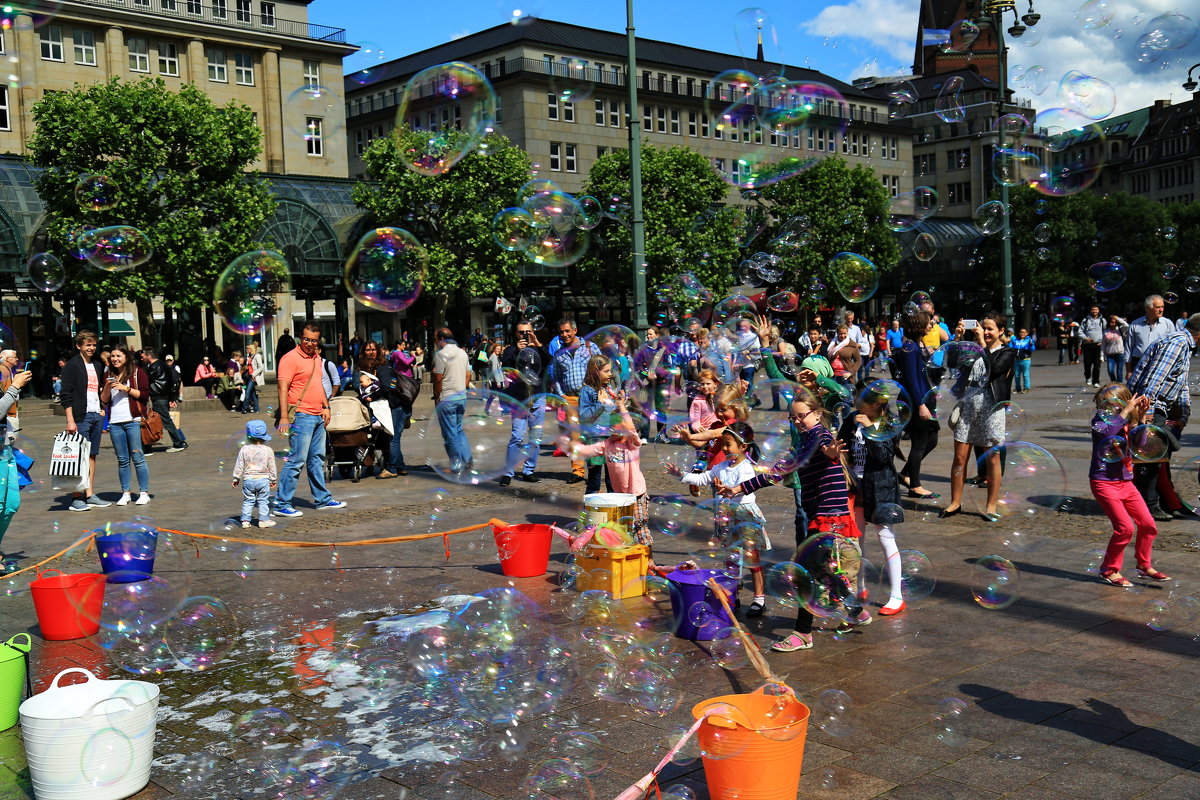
x,y
889,25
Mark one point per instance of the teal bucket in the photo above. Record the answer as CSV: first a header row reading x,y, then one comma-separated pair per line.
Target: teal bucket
x,y
14,673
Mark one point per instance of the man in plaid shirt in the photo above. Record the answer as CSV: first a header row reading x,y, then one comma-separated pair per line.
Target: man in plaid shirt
x,y
570,368
1162,376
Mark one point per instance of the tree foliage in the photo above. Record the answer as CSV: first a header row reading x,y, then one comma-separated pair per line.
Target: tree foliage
x,y
177,163
451,213
685,230
847,211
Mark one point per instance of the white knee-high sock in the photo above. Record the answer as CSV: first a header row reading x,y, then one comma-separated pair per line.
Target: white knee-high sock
x,y
891,558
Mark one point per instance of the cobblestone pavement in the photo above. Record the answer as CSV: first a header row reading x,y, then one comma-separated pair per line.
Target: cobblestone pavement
x,y
1076,689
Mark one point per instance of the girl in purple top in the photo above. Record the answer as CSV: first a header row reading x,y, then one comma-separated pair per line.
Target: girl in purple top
x,y
1111,478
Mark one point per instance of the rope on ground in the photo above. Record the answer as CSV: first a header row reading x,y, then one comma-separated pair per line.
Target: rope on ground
x,y
412,537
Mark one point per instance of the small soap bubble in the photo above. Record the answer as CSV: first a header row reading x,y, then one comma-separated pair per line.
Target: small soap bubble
x,y
1105,276
995,582
45,272
95,192
856,277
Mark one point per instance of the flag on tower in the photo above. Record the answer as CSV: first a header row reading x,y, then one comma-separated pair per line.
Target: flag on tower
x,y
930,36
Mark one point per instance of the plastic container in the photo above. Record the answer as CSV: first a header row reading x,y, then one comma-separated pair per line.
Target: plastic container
x,y
92,740
689,587
605,507
68,606
127,556
14,675
523,549
624,566
757,743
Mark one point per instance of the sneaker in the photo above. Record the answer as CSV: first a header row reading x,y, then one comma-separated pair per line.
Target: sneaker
x,y
177,448
1160,515
78,505
143,499
245,523
125,499
266,523
504,480
288,511
859,620
94,500
792,642
1181,513
332,504
528,477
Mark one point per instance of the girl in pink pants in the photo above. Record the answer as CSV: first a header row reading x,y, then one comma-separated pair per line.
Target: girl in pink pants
x,y
1111,479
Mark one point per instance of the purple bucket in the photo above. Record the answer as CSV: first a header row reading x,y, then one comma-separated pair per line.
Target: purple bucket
x,y
689,587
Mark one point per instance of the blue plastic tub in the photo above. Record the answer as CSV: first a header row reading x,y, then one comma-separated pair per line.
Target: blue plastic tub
x,y
689,587
128,556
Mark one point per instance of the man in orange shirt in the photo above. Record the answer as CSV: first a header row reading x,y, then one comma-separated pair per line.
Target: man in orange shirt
x,y
302,395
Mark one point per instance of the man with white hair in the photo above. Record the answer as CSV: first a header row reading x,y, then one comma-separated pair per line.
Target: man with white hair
x,y
1145,331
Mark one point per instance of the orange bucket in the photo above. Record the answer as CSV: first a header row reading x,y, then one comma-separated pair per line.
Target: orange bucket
x,y
752,745
68,606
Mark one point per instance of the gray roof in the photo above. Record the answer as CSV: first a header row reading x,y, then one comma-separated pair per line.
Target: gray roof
x,y
577,39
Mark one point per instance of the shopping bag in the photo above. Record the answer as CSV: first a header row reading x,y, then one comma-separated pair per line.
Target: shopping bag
x,y
69,455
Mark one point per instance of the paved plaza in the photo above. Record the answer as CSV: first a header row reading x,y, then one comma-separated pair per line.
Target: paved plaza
x,y
1076,690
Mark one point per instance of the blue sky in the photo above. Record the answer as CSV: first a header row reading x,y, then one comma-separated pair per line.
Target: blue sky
x,y
843,39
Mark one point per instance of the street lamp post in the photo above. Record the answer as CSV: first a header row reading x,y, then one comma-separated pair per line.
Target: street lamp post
x,y
635,177
1190,85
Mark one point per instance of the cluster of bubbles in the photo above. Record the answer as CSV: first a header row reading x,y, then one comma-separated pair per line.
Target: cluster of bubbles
x,y
550,226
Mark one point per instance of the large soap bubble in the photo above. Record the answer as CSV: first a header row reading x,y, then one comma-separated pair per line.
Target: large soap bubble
x,y
480,453
474,99
1086,95
117,248
856,277
386,269
1068,170
95,192
244,295
45,272
1105,276
949,106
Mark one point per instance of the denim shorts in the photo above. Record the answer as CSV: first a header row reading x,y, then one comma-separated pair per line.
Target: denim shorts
x,y
91,427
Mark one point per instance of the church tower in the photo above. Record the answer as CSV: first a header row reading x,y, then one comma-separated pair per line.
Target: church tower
x,y
941,15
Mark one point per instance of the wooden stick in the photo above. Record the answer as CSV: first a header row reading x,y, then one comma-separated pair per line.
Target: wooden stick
x,y
752,649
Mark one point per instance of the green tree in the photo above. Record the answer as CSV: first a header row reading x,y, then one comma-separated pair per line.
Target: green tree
x,y
451,213
686,231
847,211
176,163
1185,218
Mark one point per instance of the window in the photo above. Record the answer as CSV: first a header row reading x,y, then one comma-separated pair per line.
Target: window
x,y
662,119
216,65
551,105
168,5
614,114
219,10
647,118
704,126
51,41
359,142
959,158
243,68
168,58
243,10
958,193
139,54
85,46
572,165
720,165
312,135
555,157
141,2
675,121
195,7
568,111
926,164
691,123
267,14
599,112
312,73
600,150
893,144
4,124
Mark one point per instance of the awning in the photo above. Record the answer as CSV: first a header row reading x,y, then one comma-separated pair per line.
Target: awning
x,y
119,327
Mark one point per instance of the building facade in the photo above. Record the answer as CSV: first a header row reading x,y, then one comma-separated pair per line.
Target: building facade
x,y
258,52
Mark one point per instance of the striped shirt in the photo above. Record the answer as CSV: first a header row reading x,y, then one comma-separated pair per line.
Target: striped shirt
x,y
1162,374
822,487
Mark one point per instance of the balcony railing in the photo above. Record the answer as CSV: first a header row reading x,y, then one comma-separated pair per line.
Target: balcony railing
x,y
224,13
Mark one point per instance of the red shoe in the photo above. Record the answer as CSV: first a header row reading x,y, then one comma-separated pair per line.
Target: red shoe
x,y
1153,574
891,612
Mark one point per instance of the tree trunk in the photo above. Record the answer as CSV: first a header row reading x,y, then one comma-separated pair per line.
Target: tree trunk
x,y
149,330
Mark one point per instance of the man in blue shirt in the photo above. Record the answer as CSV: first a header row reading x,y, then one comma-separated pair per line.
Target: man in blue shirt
x,y
1146,330
895,336
570,368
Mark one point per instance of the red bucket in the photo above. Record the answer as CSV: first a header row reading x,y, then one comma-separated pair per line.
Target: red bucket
x,y
68,606
524,549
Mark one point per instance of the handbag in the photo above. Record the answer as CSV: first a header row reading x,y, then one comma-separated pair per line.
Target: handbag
x,y
152,427
291,409
405,389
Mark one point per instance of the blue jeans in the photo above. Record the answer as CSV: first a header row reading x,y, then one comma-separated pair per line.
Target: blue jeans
x,y
526,439
395,457
91,427
1021,372
1116,367
256,492
450,415
127,443
250,397
306,440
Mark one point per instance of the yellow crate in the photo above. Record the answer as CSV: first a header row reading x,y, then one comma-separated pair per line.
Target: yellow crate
x,y
623,565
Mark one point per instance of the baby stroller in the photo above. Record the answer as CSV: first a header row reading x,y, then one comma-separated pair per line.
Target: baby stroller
x,y
350,447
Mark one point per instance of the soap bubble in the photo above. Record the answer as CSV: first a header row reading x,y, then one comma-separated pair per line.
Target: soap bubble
x,y
314,112
1014,166
752,26
117,248
835,714
1169,271
995,582
1013,125
513,229
948,722
1068,170
729,651
1092,560
893,408
1105,276
45,272
990,217
78,241
856,277
1170,31
1192,284
925,247
569,80
106,758
386,269
95,192
1114,450
789,584
1042,232
1015,420
1063,307
960,368
948,106
244,294
1034,480
1148,443
487,418
963,34
202,632
474,99
675,515
1170,298
783,302
1169,232
1086,95
1095,14
917,579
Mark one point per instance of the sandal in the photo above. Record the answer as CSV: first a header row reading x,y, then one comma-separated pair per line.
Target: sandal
x,y
1115,578
792,642
1153,574
756,609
